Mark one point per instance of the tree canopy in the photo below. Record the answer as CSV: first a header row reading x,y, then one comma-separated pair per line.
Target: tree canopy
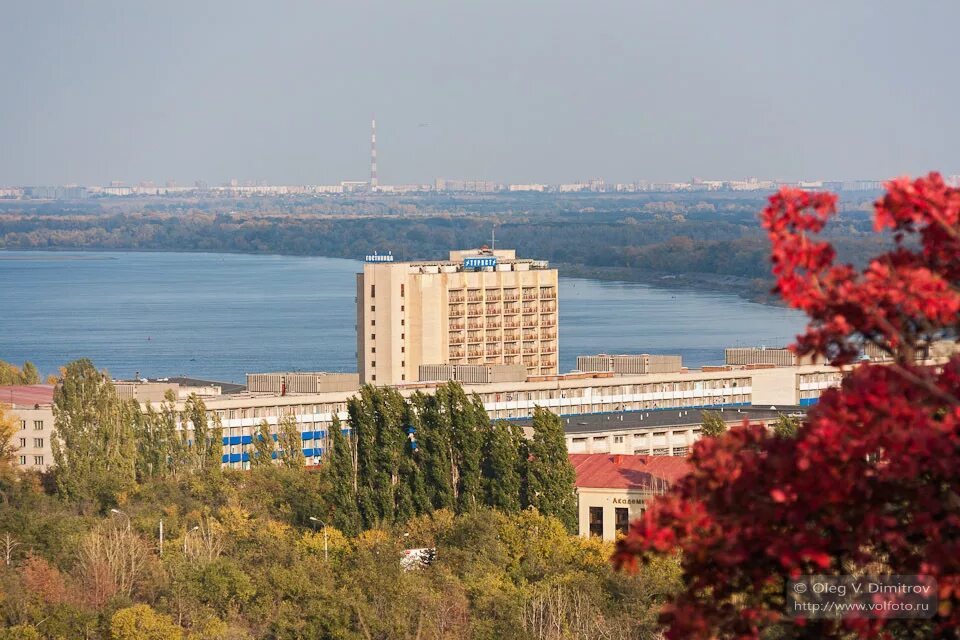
x,y
869,482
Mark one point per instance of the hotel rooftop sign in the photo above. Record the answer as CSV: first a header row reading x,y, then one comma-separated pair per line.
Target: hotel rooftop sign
x,y
376,257
480,263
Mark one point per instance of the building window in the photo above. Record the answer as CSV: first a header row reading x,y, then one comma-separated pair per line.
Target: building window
x,y
23,461
38,443
38,425
403,349
403,363
618,439
403,376
373,349
373,291
622,517
680,451
373,336
401,290
373,323
403,322
374,377
23,443
23,424
402,308
373,308
373,364
38,460
403,336
596,521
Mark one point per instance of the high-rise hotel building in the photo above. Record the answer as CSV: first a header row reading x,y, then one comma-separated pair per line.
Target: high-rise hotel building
x,y
479,307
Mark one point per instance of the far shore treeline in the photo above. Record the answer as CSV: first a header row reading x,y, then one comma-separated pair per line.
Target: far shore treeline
x,y
704,240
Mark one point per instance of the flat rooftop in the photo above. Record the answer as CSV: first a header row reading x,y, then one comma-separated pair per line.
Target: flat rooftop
x,y
666,418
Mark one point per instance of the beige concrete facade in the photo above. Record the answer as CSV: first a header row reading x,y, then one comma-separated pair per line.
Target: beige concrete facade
x,y
34,451
451,312
607,513
565,395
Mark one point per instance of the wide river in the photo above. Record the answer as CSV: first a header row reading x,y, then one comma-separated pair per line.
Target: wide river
x,y
219,316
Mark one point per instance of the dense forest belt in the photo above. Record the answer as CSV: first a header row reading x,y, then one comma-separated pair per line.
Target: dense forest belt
x,y
704,249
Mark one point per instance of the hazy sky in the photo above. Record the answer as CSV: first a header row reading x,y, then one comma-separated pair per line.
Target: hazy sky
x,y
509,90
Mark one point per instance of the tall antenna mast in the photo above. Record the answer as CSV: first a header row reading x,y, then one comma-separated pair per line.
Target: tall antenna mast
x,y
493,237
373,154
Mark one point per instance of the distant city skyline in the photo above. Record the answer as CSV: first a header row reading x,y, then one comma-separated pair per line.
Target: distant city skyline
x,y
500,91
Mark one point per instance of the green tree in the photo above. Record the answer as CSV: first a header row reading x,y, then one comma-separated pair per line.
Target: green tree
x,y
786,427
713,424
94,449
29,373
12,375
376,417
207,446
290,443
435,447
470,426
340,469
262,445
550,476
503,466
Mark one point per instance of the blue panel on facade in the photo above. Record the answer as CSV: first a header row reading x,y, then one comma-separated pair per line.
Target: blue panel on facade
x,y
806,402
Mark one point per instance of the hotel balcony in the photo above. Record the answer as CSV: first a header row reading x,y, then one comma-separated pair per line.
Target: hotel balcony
x,y
474,310
548,293
456,338
475,324
530,308
493,310
493,295
548,307
530,321
456,297
456,310
509,296
455,326
494,323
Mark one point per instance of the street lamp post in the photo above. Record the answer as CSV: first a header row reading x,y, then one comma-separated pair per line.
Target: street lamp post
x,y
326,555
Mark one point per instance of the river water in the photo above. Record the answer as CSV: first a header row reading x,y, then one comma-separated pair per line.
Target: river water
x,y
219,316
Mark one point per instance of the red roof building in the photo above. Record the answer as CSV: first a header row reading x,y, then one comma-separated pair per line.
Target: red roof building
x,y
620,471
614,489
26,395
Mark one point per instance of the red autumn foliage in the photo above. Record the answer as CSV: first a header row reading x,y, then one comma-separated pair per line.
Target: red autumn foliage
x,y
871,483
